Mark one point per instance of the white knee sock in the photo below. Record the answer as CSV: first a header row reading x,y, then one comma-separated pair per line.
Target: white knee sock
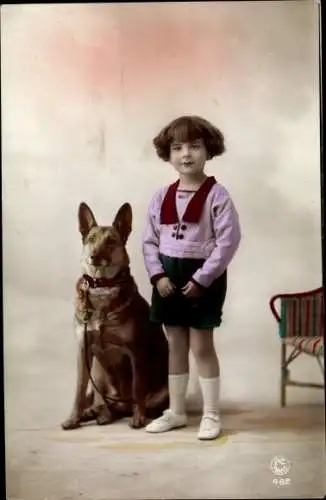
x,y
178,389
210,388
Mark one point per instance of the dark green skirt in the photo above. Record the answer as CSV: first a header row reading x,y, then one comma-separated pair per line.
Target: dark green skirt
x,y
204,312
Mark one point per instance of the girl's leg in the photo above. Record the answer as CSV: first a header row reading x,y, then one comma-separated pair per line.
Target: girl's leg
x,y
178,340
202,346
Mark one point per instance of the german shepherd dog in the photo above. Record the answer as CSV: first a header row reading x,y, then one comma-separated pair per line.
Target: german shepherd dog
x,y
121,354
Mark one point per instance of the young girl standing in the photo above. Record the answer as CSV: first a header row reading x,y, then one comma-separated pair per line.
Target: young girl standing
x,y
191,236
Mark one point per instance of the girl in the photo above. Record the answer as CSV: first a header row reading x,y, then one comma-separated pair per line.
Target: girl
x,y
191,236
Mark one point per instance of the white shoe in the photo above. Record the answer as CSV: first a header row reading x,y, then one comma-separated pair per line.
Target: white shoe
x,y
210,427
168,421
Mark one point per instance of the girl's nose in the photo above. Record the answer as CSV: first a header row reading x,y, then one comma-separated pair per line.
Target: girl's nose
x,y
185,150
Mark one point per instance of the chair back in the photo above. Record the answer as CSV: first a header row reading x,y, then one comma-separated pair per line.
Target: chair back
x,y
301,314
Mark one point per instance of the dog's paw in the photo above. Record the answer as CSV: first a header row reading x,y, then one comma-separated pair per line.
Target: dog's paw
x,y
70,423
137,421
88,415
105,416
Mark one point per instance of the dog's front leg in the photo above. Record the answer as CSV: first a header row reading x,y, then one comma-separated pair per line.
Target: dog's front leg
x,y
138,418
82,381
103,383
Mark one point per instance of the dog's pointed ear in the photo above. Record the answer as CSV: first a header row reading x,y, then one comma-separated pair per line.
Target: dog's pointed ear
x,y
86,219
123,221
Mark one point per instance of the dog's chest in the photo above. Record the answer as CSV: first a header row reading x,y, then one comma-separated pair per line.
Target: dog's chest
x,y
98,303
104,308
102,298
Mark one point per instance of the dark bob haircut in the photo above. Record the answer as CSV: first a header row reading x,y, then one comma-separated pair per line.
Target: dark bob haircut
x,y
188,129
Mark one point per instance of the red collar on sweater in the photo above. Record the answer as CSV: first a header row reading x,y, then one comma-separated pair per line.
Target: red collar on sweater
x,y
169,214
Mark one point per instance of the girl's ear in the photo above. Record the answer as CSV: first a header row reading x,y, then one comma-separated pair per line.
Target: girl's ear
x,y
86,219
123,222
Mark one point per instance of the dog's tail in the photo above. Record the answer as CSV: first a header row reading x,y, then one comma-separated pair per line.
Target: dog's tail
x,y
153,400
157,399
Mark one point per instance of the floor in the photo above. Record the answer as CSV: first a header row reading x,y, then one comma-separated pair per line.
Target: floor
x,y
114,462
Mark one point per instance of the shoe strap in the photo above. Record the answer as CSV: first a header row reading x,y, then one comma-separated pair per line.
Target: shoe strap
x,y
214,418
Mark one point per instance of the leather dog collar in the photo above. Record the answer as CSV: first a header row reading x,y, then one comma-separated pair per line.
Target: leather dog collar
x,y
102,282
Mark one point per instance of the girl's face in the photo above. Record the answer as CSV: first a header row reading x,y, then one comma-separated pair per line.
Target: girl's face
x,y
188,158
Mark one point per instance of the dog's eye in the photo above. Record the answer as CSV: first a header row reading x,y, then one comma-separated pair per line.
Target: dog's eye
x,y
91,239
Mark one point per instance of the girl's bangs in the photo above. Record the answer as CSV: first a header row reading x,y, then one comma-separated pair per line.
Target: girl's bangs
x,y
185,131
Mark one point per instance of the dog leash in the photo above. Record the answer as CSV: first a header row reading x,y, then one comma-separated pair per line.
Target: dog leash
x,y
106,398
85,322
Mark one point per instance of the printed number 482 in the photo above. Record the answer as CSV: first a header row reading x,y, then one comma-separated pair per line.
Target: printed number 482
x,y
281,481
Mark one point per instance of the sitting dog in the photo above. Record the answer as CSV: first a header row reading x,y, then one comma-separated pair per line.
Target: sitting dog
x,y
122,354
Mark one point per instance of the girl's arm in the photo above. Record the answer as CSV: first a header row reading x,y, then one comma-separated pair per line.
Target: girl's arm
x,y
151,242
228,235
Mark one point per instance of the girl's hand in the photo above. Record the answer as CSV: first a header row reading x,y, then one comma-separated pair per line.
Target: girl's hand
x,y
165,287
191,290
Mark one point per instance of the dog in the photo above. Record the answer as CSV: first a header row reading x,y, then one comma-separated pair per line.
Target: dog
x,y
121,354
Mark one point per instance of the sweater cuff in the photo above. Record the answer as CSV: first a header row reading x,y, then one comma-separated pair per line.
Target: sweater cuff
x,y
199,285
154,279
202,279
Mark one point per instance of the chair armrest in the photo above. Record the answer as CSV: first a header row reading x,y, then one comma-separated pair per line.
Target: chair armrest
x,y
273,308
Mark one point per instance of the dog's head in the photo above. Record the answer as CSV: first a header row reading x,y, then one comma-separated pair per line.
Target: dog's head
x,y
104,247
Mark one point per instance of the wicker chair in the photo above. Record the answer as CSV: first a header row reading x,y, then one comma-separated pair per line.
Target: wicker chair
x,y
301,327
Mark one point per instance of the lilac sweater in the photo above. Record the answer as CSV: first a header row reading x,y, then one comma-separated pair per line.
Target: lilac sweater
x,y
198,225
